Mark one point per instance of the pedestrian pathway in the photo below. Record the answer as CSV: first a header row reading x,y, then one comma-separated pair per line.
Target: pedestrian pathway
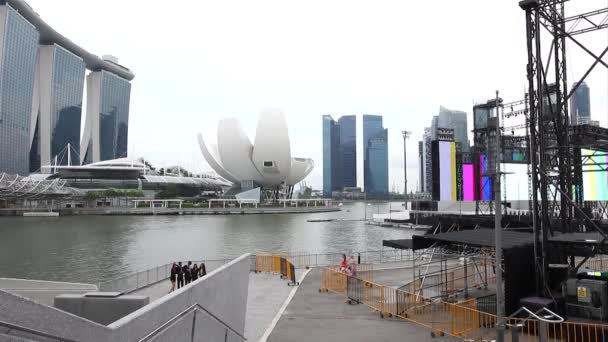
x,y
314,316
267,293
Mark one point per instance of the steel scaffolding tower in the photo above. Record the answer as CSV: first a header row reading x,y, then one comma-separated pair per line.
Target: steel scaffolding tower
x,y
556,167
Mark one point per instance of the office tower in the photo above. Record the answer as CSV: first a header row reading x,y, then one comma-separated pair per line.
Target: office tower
x,y
56,108
331,146
348,150
580,108
375,157
107,121
339,153
457,121
19,42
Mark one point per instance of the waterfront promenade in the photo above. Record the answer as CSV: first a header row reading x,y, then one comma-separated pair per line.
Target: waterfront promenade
x,y
172,211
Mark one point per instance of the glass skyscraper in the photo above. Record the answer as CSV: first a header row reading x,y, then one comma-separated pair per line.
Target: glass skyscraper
x,y
375,157
339,153
456,120
19,42
580,107
107,123
348,150
57,107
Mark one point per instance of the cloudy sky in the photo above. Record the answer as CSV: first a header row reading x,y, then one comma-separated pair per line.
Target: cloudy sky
x,y
198,61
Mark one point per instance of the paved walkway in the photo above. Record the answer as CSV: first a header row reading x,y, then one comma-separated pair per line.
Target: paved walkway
x,y
267,293
312,316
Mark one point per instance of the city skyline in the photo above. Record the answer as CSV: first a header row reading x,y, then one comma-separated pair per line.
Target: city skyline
x,y
223,84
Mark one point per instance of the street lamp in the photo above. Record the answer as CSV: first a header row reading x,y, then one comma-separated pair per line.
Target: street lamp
x,y
368,204
405,134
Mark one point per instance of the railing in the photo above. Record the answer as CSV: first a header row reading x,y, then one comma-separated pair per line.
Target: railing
x,y
33,332
135,281
194,309
462,319
450,281
301,260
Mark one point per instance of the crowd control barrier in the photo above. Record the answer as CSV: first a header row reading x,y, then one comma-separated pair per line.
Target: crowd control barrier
x,y
277,265
462,319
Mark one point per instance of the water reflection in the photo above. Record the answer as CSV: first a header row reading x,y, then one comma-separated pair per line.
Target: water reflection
x,y
97,248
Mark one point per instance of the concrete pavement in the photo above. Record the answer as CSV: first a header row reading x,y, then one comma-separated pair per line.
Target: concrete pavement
x,y
312,316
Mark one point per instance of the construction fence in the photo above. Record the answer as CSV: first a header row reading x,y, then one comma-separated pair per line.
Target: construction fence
x,y
462,319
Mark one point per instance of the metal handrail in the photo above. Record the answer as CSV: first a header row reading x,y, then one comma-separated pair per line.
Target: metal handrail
x,y
193,308
12,326
535,315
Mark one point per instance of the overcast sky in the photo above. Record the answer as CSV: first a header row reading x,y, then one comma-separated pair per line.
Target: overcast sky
x,y
196,62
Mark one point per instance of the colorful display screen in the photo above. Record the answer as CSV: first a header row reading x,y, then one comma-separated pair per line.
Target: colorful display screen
x,y
468,182
595,178
515,179
485,182
447,171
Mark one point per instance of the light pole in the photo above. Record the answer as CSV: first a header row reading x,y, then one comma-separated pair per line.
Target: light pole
x,y
406,134
500,300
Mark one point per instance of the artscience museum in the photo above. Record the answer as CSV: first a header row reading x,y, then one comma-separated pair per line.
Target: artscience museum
x,y
265,165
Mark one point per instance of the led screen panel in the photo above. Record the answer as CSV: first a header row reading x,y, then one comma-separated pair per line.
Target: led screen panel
x,y
595,178
468,182
515,180
485,182
447,171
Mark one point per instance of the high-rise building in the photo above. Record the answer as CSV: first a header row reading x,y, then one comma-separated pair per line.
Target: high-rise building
x,y
19,45
106,130
457,121
331,150
339,153
56,107
580,107
41,86
348,150
375,157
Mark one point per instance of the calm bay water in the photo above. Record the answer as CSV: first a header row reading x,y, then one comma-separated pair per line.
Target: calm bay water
x,y
98,248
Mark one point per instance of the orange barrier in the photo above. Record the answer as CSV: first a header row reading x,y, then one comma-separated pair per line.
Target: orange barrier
x,y
276,264
364,271
460,319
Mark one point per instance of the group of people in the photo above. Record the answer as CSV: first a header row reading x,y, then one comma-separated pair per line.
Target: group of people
x,y
348,266
185,274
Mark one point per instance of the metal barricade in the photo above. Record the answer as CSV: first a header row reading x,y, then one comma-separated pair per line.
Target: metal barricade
x,y
354,288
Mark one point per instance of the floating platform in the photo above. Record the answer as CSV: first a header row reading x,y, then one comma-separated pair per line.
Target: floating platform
x,y
41,214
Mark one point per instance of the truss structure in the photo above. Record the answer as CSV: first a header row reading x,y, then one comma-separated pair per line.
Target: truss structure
x,y
556,167
14,187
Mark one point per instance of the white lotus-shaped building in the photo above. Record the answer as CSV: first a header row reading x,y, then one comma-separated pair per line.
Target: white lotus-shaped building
x,y
267,162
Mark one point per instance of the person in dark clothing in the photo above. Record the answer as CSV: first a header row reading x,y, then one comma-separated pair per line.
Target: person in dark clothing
x,y
202,269
187,272
194,272
180,275
173,277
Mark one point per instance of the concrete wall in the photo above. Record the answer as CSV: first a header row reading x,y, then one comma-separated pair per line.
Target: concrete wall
x,y
100,309
223,292
41,291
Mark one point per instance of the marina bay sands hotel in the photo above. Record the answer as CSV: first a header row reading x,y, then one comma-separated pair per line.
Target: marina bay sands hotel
x,y
42,75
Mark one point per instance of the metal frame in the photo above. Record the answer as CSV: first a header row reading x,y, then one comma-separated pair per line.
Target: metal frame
x,y
555,160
